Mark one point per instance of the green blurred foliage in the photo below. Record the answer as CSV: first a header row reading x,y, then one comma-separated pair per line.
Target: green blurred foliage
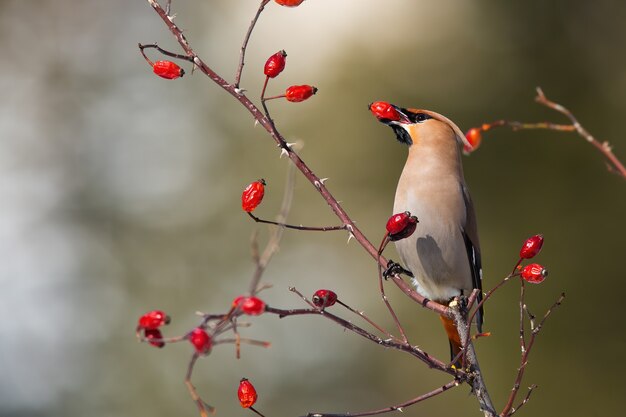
x,y
120,193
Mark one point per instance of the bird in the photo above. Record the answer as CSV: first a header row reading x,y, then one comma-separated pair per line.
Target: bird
x,y
443,254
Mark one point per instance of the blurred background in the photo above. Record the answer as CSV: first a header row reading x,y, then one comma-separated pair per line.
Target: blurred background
x,y
120,193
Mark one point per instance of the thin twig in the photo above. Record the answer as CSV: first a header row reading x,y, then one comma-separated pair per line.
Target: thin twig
x,y
163,51
203,407
507,410
431,361
398,407
276,234
604,148
296,227
367,319
613,163
244,45
524,401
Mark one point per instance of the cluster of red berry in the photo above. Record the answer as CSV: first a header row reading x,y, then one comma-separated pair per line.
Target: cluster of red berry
x,y
274,65
533,273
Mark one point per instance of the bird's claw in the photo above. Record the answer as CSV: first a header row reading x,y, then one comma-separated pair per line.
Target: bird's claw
x,y
394,268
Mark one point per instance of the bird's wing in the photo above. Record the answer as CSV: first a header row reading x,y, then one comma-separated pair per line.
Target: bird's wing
x,y
470,236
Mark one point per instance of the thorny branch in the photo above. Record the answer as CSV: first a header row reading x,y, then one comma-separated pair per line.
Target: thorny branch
x,y
285,148
227,322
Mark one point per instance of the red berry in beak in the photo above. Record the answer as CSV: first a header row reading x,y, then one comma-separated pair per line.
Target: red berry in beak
x,y
534,273
401,225
531,247
246,393
384,110
324,298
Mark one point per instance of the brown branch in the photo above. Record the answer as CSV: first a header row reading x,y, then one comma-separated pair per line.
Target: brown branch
x,y
398,407
431,361
524,401
203,407
244,45
604,148
295,158
614,164
471,361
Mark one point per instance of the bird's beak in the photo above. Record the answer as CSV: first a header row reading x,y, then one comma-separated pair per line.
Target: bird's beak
x,y
387,113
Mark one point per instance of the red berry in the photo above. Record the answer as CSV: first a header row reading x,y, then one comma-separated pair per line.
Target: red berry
x,y
474,137
246,393
401,225
153,319
289,3
167,69
252,306
324,298
238,301
275,64
383,110
154,337
201,340
253,195
297,93
531,247
534,273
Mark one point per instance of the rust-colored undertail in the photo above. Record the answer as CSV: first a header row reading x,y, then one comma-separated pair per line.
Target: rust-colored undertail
x,y
453,337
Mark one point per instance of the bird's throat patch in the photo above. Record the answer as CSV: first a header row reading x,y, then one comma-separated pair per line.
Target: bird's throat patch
x,y
401,134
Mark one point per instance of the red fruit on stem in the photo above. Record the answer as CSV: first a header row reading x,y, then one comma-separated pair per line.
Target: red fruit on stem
x,y
201,340
154,337
531,247
246,393
153,319
534,273
324,298
168,70
253,195
298,93
252,306
383,110
289,3
401,225
474,137
275,64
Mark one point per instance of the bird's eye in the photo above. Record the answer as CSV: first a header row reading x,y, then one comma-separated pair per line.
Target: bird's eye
x,y
420,117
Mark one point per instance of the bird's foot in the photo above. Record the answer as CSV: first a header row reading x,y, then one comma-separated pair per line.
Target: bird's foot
x,y
395,268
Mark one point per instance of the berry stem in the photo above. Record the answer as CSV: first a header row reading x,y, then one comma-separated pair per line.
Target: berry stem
x,y
244,45
292,226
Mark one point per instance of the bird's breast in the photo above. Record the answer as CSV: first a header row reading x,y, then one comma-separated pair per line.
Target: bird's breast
x,y
436,252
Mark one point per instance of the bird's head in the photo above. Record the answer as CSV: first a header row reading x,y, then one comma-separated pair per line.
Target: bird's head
x,y
413,126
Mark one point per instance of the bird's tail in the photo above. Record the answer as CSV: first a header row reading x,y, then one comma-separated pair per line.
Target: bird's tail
x,y
455,340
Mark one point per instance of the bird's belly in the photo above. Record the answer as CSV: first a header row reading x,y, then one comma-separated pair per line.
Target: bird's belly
x,y
436,255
